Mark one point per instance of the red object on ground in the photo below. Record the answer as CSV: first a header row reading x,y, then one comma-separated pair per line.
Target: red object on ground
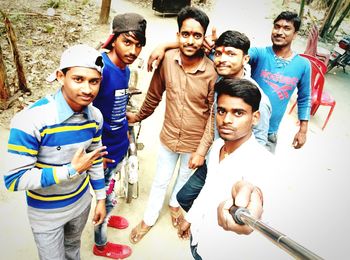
x,y
118,222
112,250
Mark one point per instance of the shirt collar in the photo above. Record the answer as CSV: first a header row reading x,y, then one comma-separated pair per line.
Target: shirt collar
x,y
243,147
64,111
201,66
282,62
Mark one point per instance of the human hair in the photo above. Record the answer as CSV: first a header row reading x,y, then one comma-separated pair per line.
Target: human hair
x,y
136,34
65,70
241,88
291,17
234,39
194,13
140,37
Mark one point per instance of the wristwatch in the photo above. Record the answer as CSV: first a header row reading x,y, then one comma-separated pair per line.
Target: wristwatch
x,y
72,173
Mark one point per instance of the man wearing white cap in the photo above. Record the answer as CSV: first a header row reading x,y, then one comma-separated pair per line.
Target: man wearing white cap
x,y
55,151
124,44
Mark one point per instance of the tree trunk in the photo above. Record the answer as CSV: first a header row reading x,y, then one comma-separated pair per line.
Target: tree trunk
x,y
105,9
329,18
22,82
339,21
4,91
301,12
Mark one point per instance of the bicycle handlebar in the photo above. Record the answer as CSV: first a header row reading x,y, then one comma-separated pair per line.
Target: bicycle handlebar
x,y
134,92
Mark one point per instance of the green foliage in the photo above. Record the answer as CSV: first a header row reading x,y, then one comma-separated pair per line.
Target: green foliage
x,y
16,18
49,28
55,3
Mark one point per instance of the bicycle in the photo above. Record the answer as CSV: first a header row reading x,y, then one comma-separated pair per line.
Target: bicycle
x,y
128,174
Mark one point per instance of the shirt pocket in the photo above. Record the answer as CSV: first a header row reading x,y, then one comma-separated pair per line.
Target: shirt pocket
x,y
171,90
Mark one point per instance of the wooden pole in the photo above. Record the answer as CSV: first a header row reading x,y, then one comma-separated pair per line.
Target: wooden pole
x,y
105,9
4,91
22,82
301,11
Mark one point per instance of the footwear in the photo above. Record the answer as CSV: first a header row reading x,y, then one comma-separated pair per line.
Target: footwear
x,y
138,232
117,222
112,250
176,216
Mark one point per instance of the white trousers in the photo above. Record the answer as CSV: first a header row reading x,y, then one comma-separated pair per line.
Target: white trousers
x,y
164,172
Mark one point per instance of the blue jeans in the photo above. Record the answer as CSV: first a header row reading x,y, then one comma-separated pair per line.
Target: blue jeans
x,y
189,192
195,255
111,201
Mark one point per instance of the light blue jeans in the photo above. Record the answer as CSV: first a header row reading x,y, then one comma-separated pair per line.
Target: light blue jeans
x,y
272,142
165,169
111,202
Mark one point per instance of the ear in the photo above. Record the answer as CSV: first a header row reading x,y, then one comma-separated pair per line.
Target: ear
x,y
256,117
60,77
295,35
246,59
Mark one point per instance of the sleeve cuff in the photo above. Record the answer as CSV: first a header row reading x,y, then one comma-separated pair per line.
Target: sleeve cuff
x,y
62,173
100,194
201,150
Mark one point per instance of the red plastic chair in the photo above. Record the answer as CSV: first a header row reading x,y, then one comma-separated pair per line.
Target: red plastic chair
x,y
318,62
311,46
319,97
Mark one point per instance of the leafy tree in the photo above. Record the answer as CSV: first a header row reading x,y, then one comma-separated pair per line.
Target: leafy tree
x,y
329,17
343,15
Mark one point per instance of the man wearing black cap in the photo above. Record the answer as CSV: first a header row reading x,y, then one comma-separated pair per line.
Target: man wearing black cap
x,y
124,45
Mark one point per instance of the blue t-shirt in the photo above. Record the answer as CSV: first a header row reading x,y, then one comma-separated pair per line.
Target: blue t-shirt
x,y
112,100
278,78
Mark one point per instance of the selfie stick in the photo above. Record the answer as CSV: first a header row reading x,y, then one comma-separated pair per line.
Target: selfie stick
x,y
242,216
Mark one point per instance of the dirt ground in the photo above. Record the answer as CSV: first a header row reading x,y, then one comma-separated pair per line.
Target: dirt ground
x,y
315,216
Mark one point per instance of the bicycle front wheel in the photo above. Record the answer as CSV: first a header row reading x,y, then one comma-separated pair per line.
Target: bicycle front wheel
x,y
134,78
130,192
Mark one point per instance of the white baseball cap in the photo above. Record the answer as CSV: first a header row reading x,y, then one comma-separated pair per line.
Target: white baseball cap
x,y
80,55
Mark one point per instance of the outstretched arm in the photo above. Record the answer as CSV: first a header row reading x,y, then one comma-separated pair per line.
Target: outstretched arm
x,y
157,55
244,194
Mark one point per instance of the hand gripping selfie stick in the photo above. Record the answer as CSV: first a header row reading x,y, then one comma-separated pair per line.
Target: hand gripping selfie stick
x,y
242,216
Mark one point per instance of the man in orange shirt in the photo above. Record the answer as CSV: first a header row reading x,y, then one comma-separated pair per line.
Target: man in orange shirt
x,y
188,77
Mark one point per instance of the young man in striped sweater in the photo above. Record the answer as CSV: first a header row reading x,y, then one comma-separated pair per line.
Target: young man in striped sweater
x,y
55,151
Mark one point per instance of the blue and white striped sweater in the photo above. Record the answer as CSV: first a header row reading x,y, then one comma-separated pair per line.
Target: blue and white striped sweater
x,y
43,139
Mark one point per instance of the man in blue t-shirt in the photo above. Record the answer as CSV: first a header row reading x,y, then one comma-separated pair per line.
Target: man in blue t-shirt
x,y
278,71
124,45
